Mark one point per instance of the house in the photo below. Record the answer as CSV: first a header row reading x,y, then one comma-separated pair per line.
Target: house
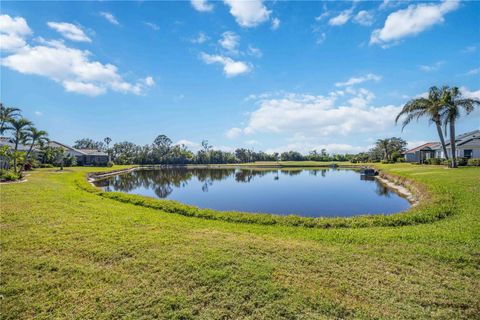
x,y
85,157
421,153
467,146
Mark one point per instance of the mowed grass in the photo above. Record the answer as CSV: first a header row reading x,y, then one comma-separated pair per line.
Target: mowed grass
x,y
68,253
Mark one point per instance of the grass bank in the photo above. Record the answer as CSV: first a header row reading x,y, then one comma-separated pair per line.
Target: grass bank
x,y
68,253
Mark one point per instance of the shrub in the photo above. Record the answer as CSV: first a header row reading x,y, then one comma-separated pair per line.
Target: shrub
x,y
474,162
400,159
70,161
462,161
110,164
7,175
434,161
44,165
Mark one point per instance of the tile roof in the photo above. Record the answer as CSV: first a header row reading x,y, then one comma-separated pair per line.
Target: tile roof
x,y
429,145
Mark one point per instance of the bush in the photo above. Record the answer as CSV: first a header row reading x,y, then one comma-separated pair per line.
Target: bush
x,y
400,159
387,161
70,161
433,161
462,161
110,164
44,165
7,175
474,162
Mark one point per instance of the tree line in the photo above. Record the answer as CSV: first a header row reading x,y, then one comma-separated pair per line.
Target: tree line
x,y
163,151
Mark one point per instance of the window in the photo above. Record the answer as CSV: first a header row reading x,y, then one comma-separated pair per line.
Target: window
x,y
467,153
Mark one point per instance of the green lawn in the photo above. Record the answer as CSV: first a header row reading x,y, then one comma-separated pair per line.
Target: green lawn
x,y
72,254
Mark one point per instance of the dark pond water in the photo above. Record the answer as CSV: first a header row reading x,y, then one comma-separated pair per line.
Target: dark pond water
x,y
305,192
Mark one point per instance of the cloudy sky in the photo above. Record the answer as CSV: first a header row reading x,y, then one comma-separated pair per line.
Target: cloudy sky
x,y
265,75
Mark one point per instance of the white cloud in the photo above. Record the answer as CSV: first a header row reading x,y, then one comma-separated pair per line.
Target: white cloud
x,y
341,19
256,52
322,16
470,94
411,21
201,38
248,13
469,49
69,31
320,38
432,67
110,18
364,18
356,80
473,72
229,41
233,133
152,25
189,144
13,32
202,5
319,116
38,113
252,142
149,82
73,68
231,68
275,23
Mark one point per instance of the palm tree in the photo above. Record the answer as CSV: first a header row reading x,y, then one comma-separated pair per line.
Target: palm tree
x,y
454,104
107,141
36,137
20,129
6,114
432,106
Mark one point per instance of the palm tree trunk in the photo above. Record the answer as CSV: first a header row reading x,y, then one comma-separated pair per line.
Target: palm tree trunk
x,y
442,140
452,142
15,156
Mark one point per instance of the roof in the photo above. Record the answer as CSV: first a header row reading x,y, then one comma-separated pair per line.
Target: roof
x,y
428,145
92,152
466,137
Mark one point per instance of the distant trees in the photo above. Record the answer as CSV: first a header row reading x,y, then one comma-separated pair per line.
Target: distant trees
x,y
87,143
388,149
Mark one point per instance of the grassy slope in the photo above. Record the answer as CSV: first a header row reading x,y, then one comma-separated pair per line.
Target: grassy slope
x,y
67,253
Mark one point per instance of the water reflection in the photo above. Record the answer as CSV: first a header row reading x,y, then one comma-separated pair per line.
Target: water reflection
x,y
308,192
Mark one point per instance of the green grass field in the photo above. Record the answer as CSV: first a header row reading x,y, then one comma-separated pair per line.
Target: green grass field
x,y
67,253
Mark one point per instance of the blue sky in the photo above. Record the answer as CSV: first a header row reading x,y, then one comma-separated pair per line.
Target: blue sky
x,y
265,75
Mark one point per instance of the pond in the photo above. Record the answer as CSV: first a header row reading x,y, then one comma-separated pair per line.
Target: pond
x,y
310,192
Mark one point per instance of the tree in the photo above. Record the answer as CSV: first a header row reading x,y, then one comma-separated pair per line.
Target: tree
x,y
454,104
7,114
107,141
162,145
431,107
87,143
20,128
36,137
383,145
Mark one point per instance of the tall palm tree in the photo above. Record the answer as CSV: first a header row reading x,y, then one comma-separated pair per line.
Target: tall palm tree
x,y
6,114
36,137
107,141
455,102
432,107
20,129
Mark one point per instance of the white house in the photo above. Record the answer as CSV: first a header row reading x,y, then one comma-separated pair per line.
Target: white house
x,y
467,146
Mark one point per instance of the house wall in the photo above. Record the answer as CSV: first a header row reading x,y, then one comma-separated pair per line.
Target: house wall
x,y
411,157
